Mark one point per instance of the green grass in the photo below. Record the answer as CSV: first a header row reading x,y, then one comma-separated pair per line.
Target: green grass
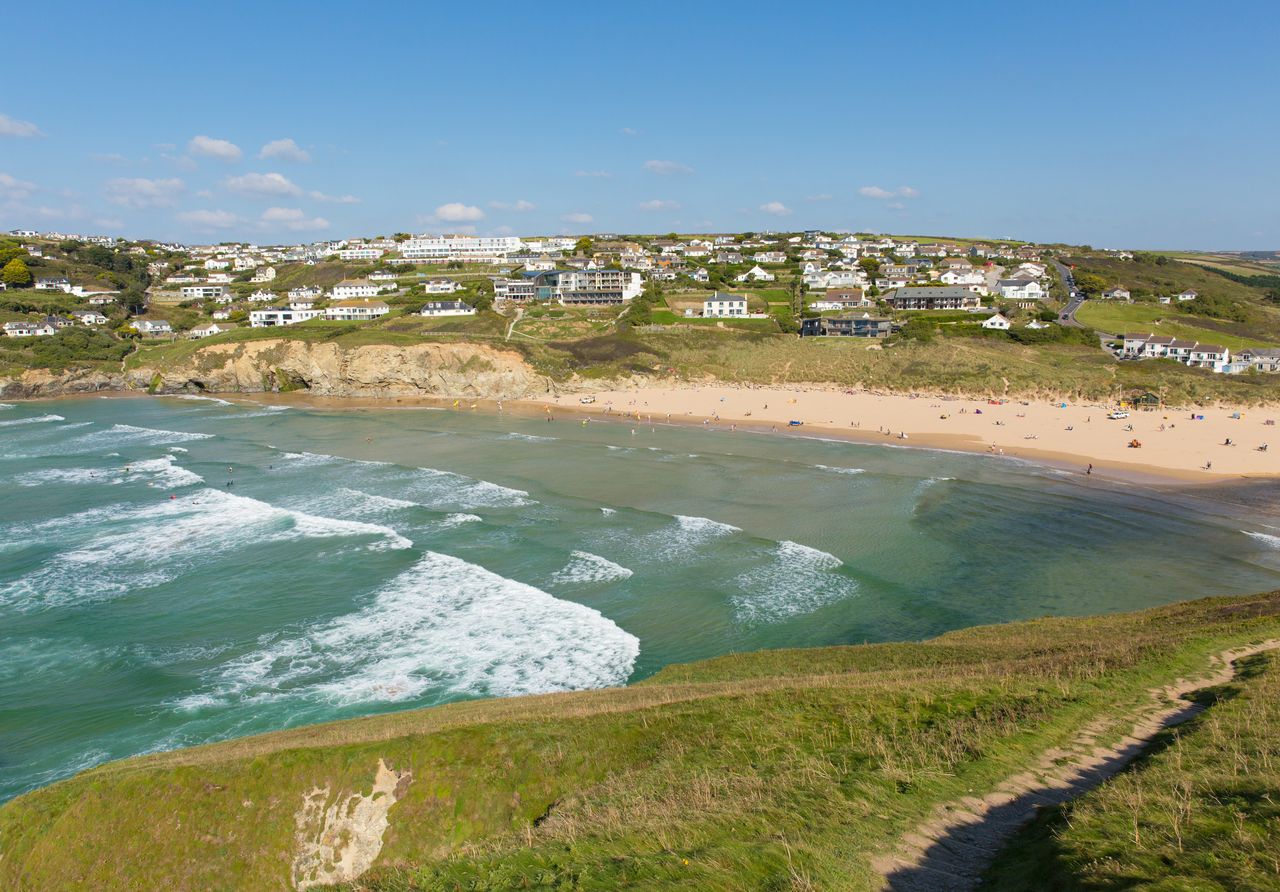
x,y
772,770
1202,811
1118,317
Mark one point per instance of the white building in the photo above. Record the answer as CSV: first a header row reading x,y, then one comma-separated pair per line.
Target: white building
x,y
440,286
1020,289
203,292
358,310
152,327
264,274
997,322
475,249
1116,294
59,284
354,288
208,331
724,306
756,274
89,317
447,308
269,317
360,252
260,296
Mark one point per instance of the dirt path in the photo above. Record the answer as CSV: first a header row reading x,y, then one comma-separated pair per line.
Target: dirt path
x,y
951,850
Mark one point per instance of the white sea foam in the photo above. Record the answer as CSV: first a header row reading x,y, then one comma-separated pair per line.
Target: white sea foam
x,y
4,406
532,438
587,568
445,626
1265,538
126,435
441,488
841,470
116,551
608,512
162,472
178,449
457,520
35,419
797,580
702,527
209,399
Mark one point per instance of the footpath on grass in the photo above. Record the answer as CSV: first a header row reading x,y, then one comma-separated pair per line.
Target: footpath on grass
x,y
953,849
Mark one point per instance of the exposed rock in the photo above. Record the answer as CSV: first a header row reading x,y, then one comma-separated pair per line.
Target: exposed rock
x,y
325,369
339,841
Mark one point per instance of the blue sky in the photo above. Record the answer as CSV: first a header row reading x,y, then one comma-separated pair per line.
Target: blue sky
x,y
1137,124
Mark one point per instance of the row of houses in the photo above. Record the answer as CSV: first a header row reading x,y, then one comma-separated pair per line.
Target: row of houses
x,y
360,310
1192,353
52,324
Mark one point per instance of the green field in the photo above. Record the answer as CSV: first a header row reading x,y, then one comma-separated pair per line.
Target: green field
x,y
1118,318
773,770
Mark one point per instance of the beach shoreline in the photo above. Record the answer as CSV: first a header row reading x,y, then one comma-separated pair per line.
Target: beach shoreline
x,y
1068,437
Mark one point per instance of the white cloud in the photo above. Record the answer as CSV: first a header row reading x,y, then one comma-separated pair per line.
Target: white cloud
x,y
883,194
503,230
518,205
214,148
291,218
140,192
109,158
629,131
577,217
659,204
777,208
593,173
667,168
457,212
21,129
285,149
204,193
263,184
207,219
895,206
821,196
334,199
14,189
108,223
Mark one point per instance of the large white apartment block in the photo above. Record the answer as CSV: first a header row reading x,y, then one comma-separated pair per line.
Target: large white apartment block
x,y
465,248
360,252
352,288
203,292
269,317
356,310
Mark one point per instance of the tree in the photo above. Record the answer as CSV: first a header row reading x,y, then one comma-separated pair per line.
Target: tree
x,y
870,265
582,246
1090,283
15,274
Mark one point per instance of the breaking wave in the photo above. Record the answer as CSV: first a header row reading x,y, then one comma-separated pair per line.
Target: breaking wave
x,y
444,626
587,568
798,580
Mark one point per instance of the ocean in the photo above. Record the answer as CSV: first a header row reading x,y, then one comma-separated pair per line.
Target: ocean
x,y
179,570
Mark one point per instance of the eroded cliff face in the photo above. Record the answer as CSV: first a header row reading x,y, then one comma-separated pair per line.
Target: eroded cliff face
x,y
326,369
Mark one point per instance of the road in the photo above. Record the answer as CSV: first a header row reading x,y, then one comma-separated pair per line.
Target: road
x,y
1068,314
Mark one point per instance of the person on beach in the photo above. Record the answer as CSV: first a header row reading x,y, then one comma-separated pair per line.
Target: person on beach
x,y
1089,470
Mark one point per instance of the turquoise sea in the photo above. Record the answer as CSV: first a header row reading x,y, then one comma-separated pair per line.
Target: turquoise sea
x,y
179,570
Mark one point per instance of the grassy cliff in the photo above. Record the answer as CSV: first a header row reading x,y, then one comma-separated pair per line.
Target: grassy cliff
x,y
787,769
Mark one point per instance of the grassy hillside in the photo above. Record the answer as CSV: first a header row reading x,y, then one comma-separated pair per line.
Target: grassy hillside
x,y
773,770
1200,812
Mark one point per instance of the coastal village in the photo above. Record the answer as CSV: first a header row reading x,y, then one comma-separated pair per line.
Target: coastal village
x,y
811,284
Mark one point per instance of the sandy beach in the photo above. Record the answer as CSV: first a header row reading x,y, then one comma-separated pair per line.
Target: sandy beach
x,y
1174,444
